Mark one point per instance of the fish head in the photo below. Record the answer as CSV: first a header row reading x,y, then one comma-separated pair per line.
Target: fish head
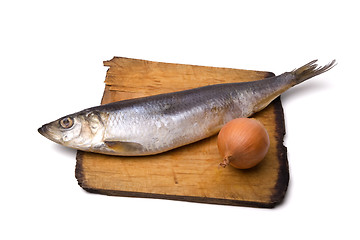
x,y
82,130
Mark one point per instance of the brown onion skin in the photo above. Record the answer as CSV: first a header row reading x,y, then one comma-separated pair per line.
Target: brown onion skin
x,y
243,143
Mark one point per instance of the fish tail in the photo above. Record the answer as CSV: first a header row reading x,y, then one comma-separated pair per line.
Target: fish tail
x,y
289,79
310,70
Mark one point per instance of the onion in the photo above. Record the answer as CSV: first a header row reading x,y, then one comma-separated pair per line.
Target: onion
x,y
243,143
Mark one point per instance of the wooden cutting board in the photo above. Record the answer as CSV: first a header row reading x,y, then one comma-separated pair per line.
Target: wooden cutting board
x,y
189,173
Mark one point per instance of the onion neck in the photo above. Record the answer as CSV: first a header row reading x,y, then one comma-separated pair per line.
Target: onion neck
x,y
226,161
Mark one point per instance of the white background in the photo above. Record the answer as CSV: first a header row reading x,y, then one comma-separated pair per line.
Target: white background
x,y
51,56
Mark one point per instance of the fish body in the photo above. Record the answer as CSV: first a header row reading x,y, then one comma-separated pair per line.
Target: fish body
x,y
155,124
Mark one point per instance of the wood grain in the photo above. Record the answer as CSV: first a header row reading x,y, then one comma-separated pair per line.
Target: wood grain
x,y
189,173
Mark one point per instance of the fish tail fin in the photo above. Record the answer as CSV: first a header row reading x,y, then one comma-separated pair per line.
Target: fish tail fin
x,y
289,79
310,70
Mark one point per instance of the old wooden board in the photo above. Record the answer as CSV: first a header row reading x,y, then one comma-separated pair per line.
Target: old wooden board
x,y
189,173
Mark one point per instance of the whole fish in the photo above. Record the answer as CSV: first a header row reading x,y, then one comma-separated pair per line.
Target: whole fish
x,y
155,124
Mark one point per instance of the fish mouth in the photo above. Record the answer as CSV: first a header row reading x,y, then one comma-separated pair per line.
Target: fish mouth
x,y
43,131
46,132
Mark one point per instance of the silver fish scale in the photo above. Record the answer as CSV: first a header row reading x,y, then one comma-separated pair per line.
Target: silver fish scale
x,y
159,126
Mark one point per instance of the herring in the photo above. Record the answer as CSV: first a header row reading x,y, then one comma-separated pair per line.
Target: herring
x,y
156,124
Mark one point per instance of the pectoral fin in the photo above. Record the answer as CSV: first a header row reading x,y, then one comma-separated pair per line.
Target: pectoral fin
x,y
125,147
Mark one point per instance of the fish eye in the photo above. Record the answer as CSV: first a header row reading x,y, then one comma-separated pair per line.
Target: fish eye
x,y
67,122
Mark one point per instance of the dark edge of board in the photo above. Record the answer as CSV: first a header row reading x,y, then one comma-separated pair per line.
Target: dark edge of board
x,y
283,172
279,190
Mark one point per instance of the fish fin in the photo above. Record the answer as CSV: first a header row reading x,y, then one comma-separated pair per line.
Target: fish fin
x,y
124,147
310,70
298,75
